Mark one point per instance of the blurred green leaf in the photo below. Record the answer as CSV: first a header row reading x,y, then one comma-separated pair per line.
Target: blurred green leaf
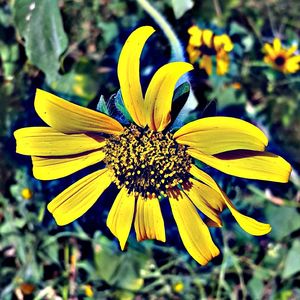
x,y
284,220
40,24
120,269
256,287
292,263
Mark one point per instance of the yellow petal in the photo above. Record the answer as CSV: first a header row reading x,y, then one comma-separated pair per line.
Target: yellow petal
x,y
193,30
223,42
207,37
129,73
149,222
248,164
120,216
195,36
193,232
222,63
292,65
291,50
214,135
277,45
158,98
248,224
206,199
206,64
67,117
193,53
46,141
54,167
268,49
295,59
73,202
228,45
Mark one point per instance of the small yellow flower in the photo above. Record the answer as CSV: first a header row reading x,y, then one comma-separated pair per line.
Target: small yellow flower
x,y
282,59
88,290
26,193
178,287
145,161
204,44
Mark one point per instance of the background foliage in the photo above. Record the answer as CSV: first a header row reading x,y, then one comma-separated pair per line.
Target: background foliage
x,y
71,48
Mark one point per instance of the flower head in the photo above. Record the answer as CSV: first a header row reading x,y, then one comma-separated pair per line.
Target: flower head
x,y
280,58
204,45
145,161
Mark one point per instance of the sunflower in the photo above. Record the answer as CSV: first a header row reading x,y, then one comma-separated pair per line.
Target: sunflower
x,y
146,162
284,60
204,44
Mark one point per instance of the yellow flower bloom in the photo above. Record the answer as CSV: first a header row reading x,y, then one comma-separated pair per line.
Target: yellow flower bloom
x,y
204,44
284,60
146,162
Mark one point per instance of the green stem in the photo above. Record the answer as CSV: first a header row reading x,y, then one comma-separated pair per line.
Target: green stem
x,y
166,28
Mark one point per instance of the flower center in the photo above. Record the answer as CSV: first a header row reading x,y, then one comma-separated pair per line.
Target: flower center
x,y
147,162
205,50
279,60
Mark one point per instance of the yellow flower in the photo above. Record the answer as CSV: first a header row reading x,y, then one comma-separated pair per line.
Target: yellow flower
x,y
26,193
204,44
146,162
284,60
178,287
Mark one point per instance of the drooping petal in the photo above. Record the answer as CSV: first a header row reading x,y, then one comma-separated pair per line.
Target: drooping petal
x,y
214,135
193,232
67,117
54,167
222,63
206,199
149,222
120,216
129,73
158,98
247,164
78,198
46,141
193,52
248,224
206,64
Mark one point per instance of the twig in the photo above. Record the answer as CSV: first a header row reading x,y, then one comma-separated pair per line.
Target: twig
x,y
217,8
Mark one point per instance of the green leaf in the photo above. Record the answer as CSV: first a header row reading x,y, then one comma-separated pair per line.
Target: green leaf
x,y
256,287
101,106
236,28
181,7
284,220
40,24
292,263
119,103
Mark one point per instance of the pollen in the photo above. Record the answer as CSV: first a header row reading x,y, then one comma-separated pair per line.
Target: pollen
x,y
147,162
